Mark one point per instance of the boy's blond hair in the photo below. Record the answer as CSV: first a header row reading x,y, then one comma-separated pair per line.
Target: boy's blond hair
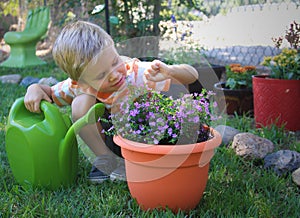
x,y
77,45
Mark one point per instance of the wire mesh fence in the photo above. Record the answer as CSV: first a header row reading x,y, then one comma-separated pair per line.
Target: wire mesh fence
x,y
240,34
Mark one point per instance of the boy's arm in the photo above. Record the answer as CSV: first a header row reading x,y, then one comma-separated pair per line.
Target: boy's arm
x,y
35,94
181,73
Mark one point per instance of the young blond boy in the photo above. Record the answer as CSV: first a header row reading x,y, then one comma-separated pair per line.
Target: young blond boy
x,y
97,74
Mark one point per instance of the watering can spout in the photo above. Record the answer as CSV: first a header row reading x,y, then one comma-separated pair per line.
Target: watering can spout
x,y
91,117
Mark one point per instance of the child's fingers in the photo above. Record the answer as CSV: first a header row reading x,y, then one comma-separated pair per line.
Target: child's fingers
x,y
155,65
47,98
152,71
36,108
155,77
33,106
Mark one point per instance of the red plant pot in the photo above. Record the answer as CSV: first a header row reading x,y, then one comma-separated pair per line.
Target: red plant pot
x,y
164,176
276,101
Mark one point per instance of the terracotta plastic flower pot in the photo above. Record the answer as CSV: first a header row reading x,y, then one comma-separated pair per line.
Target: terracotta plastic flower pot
x,y
164,176
276,101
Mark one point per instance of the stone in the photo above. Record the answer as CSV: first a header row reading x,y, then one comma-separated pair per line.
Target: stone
x,y
28,80
12,78
282,161
227,133
296,176
50,81
251,146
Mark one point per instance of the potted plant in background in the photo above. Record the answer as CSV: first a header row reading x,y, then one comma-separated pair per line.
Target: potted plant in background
x,y
167,145
235,94
276,96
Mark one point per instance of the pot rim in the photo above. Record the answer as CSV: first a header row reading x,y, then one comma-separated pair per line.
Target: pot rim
x,y
267,76
218,84
210,144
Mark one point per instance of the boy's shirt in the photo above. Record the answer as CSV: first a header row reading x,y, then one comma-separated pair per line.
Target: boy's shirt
x,y
65,91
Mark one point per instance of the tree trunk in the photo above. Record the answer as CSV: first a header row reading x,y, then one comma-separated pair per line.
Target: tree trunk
x,y
156,17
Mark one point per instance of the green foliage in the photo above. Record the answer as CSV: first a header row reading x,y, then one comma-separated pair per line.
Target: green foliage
x,y
243,123
182,9
280,137
10,7
238,77
185,55
286,65
137,17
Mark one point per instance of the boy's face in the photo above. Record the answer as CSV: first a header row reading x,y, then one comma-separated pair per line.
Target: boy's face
x,y
108,74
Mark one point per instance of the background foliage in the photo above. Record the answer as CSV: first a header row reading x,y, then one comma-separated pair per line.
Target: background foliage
x,y
136,17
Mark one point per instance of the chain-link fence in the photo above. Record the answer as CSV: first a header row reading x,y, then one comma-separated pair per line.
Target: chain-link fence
x,y
240,34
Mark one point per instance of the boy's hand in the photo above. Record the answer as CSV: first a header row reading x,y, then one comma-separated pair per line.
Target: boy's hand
x,y
158,71
33,97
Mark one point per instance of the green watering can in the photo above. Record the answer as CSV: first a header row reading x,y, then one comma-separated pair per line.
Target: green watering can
x,y
42,148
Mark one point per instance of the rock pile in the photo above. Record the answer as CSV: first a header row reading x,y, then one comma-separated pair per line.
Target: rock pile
x,y
250,146
27,81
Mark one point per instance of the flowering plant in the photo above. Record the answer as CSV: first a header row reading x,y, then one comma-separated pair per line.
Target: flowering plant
x,y
154,118
286,65
238,76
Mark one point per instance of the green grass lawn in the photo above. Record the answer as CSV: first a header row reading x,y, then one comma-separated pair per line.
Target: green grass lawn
x,y
236,187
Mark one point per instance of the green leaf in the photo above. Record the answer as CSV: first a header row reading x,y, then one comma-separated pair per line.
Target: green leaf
x,y
114,20
231,83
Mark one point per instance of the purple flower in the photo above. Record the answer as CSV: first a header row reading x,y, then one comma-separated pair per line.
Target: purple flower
x,y
195,119
134,112
137,105
160,120
111,128
210,93
137,132
152,117
152,123
190,112
162,128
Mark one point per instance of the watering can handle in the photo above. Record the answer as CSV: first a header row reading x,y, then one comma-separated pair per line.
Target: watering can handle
x,y
50,111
